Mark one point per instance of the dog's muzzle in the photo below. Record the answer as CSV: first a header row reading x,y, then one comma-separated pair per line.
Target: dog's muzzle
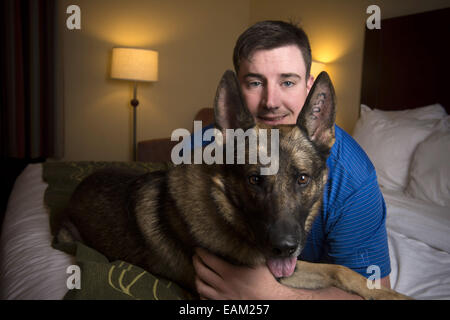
x,y
284,239
284,245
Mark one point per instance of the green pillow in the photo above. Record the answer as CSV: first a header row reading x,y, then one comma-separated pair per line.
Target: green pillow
x,y
118,280
100,278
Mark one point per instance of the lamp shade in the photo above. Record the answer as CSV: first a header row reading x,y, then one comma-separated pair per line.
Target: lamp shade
x,y
316,68
134,64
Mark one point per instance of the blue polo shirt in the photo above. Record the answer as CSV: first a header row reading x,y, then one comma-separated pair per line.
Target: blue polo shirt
x,y
351,229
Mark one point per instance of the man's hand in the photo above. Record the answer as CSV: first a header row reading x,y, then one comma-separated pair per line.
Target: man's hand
x,y
219,280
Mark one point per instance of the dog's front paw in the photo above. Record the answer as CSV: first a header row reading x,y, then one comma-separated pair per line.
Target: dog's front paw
x,y
303,281
386,294
287,281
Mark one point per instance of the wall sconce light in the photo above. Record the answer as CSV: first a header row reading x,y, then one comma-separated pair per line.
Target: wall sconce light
x,y
134,65
316,68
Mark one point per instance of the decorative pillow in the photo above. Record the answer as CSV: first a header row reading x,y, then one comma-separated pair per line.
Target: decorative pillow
x,y
429,175
390,138
119,280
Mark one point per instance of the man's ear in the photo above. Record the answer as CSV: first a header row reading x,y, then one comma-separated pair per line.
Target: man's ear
x,y
319,112
230,110
309,83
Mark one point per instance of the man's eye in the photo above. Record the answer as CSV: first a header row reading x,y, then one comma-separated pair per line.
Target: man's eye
x,y
288,83
254,83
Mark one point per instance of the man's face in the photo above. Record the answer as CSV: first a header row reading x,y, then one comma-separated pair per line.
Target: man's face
x,y
274,84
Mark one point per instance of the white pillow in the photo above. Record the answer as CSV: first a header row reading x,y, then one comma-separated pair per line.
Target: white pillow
x,y
390,138
429,177
30,268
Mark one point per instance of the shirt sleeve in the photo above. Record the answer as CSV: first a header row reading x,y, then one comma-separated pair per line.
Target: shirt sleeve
x,y
357,237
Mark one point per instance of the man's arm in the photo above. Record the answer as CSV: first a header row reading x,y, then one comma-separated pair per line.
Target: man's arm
x,y
220,280
331,293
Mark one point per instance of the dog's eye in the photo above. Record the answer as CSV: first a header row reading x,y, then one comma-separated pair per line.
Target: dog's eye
x,y
303,180
254,179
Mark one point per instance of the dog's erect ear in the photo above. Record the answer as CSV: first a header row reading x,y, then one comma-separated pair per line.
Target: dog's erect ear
x,y
319,112
230,110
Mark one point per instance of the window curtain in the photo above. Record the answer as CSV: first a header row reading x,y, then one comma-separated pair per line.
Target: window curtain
x,y
31,115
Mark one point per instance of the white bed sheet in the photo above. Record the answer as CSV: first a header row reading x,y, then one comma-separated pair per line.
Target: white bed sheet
x,y
29,267
419,246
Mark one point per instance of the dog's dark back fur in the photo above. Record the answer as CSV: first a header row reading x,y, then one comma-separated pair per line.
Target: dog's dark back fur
x,y
156,220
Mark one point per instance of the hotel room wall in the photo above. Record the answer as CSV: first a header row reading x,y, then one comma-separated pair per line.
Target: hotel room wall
x,y
195,41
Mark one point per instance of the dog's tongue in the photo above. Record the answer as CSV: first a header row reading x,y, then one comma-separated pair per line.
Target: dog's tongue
x,y
282,267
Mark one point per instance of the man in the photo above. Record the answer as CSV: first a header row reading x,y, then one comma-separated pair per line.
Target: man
x,y
272,60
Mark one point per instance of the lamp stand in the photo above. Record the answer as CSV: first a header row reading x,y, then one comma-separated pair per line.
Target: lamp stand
x,y
134,103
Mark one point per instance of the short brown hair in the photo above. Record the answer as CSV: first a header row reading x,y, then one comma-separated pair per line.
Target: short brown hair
x,y
266,35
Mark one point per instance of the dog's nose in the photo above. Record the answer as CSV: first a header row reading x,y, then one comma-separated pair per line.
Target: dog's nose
x,y
284,247
284,238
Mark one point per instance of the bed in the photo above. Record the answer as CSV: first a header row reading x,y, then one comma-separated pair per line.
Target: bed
x,y
408,142
413,170
418,214
404,129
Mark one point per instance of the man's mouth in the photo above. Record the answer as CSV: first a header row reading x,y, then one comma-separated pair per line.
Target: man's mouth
x,y
272,120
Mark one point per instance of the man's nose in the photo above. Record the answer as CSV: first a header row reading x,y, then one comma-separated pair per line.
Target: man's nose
x,y
271,97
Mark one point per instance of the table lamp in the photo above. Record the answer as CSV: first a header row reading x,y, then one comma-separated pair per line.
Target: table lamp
x,y
134,65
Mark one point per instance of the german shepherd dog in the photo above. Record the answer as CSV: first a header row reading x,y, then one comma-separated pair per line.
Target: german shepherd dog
x,y
155,220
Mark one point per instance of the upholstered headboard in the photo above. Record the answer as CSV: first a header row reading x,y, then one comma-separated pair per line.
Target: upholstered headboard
x,y
407,62
159,150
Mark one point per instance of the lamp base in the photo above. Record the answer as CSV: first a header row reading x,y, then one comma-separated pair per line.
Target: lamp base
x,y
134,103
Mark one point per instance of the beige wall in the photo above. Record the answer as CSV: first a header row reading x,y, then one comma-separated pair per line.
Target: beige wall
x,y
195,40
